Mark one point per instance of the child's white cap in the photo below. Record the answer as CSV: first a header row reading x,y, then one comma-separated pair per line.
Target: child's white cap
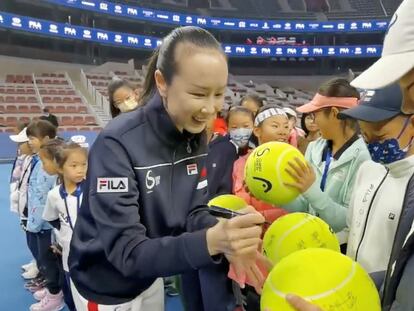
x,y
21,137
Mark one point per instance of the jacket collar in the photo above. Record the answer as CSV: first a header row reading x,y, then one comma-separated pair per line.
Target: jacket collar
x,y
78,191
165,128
402,168
347,155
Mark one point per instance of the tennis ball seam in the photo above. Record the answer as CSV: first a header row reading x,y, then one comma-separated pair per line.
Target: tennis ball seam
x,y
322,295
288,232
281,157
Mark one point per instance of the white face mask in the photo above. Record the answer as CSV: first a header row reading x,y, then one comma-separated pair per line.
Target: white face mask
x,y
241,136
128,105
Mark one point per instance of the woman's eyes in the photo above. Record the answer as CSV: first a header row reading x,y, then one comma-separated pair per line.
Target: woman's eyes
x,y
197,94
204,95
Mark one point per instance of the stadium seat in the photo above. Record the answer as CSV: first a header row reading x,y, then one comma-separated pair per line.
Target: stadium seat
x,y
78,120
71,109
10,99
90,120
35,109
31,99
66,120
11,109
23,109
11,121
82,109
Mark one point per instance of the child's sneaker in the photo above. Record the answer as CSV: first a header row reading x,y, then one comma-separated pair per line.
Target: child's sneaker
x,y
32,273
49,303
27,266
40,294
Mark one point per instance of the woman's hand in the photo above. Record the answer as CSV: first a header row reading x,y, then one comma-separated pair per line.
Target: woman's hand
x,y
301,304
239,240
239,236
303,175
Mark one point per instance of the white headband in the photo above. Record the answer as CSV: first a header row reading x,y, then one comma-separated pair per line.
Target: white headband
x,y
268,113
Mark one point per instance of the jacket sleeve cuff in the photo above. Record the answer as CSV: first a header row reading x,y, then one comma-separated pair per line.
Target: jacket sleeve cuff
x,y
314,195
201,258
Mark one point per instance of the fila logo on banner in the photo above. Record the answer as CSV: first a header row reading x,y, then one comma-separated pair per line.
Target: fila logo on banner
x,y
192,169
112,184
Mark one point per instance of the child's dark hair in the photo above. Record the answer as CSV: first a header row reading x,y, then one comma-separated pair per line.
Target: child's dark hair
x,y
303,123
64,152
114,86
257,99
238,109
41,129
52,147
165,60
340,87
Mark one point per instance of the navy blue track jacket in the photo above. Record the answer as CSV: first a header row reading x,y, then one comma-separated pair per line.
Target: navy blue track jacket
x,y
144,180
222,154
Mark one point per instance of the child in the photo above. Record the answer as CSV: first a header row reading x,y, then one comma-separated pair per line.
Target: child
x,y
380,214
17,170
295,132
63,203
40,231
123,97
271,124
18,190
311,130
252,102
380,188
223,151
326,183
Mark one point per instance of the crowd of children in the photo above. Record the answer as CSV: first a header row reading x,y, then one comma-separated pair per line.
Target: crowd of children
x,y
46,193
358,178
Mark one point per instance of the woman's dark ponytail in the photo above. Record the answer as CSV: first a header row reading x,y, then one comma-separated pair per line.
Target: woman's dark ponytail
x,y
149,87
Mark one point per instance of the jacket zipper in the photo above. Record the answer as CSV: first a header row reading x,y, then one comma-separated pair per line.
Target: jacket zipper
x,y
369,211
189,149
172,177
390,263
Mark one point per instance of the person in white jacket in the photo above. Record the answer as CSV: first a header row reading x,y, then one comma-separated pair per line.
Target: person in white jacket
x,y
381,184
18,190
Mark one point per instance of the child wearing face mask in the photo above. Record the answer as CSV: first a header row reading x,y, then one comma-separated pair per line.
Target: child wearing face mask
x,y
384,186
123,97
225,150
271,124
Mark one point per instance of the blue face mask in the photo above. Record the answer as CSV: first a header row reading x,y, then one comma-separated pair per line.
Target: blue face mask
x,y
389,150
241,136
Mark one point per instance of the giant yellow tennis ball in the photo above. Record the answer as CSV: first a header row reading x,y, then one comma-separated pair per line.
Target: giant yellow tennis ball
x,y
228,201
326,278
265,173
297,231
